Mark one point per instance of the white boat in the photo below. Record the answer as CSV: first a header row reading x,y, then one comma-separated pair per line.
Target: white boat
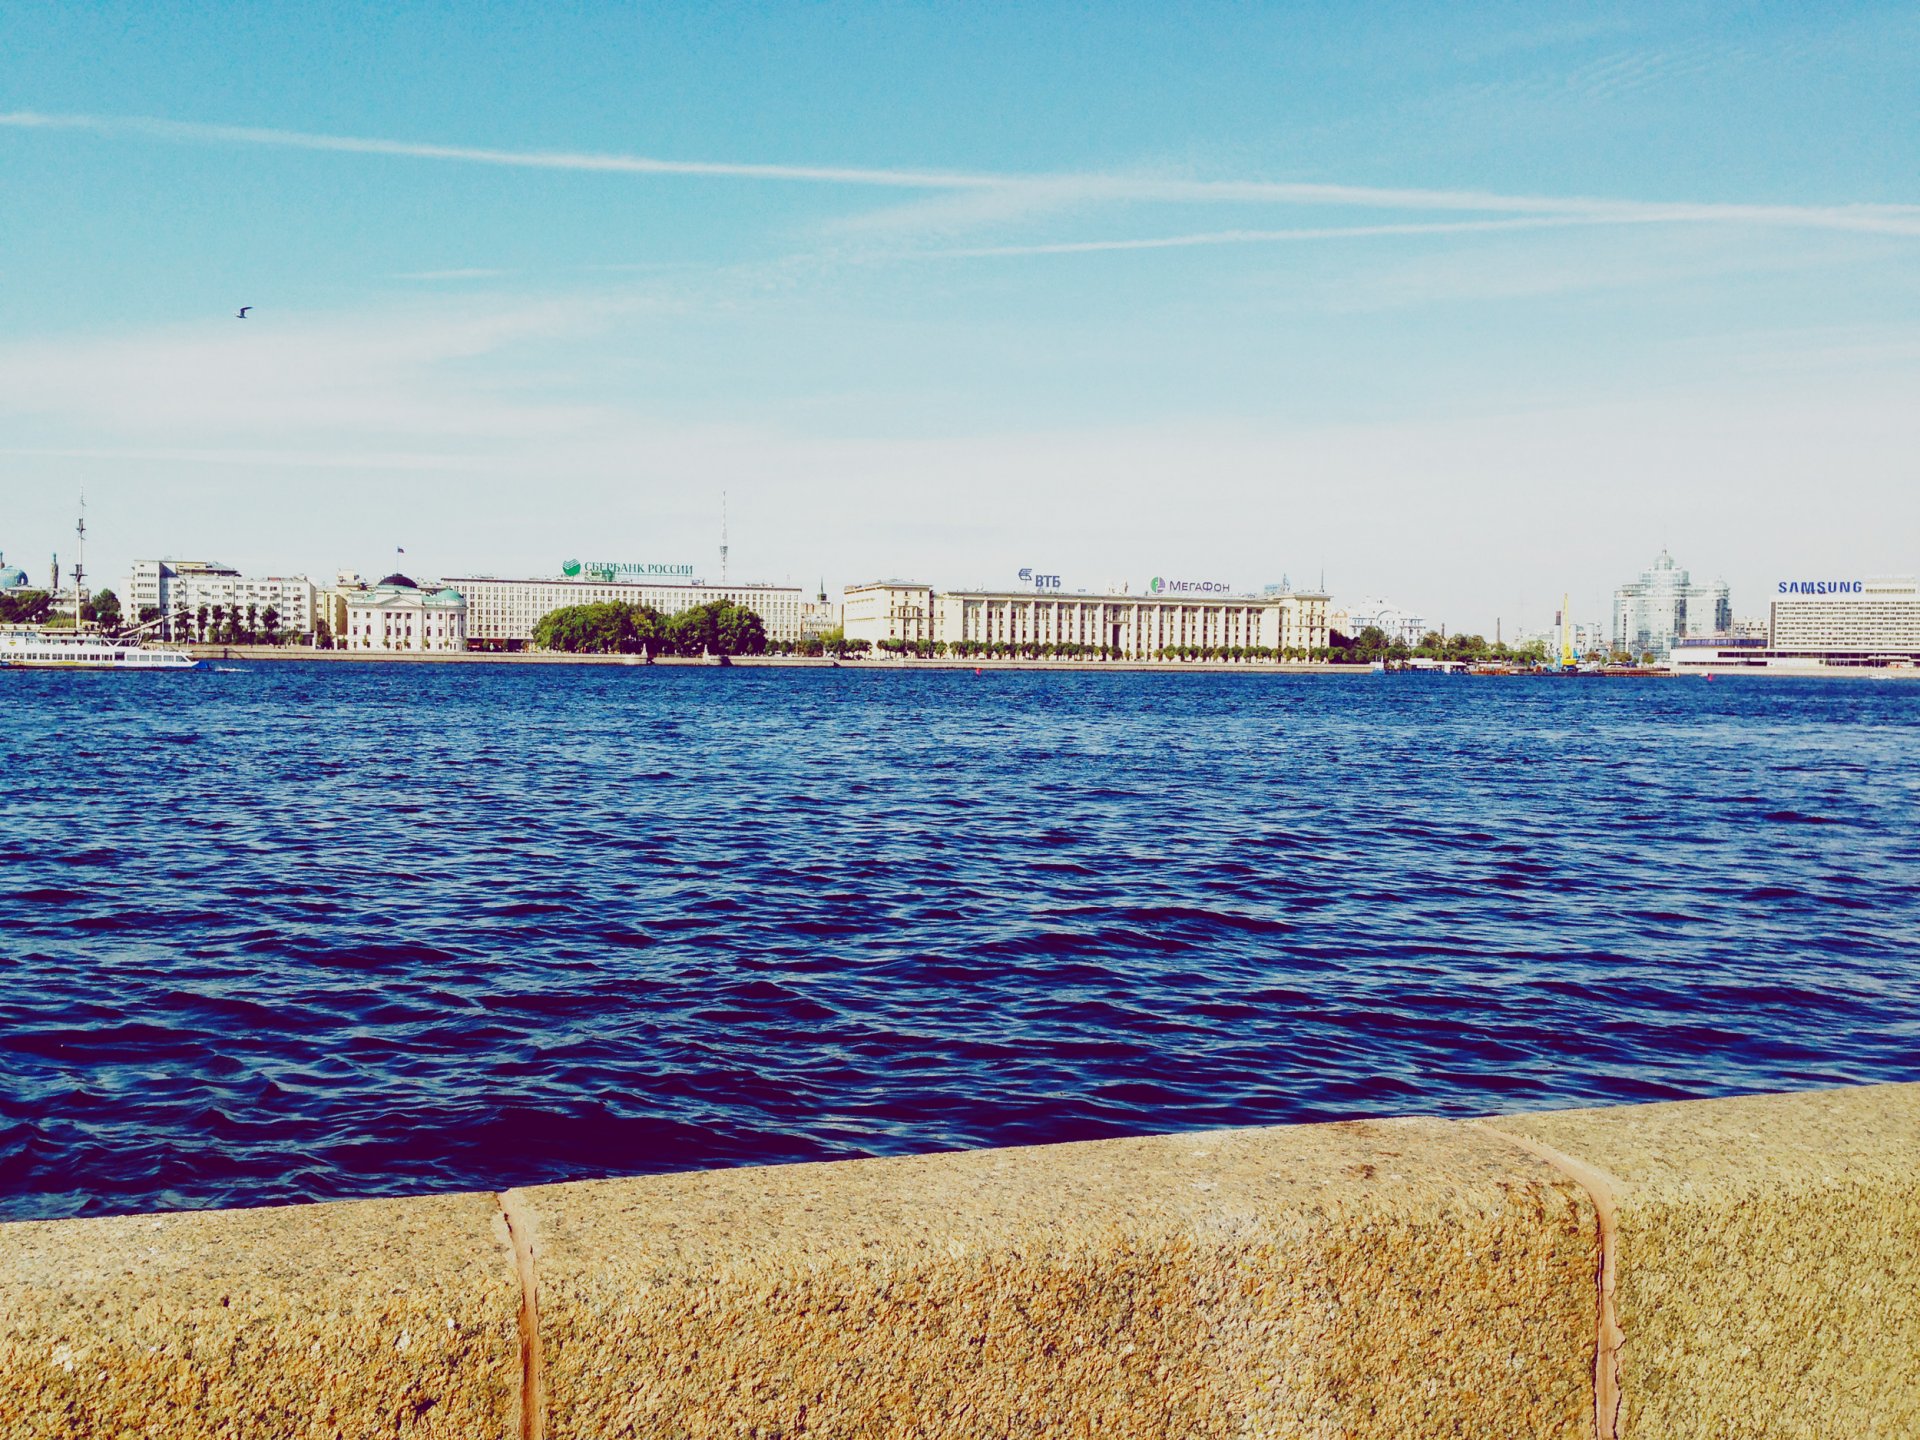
x,y
51,650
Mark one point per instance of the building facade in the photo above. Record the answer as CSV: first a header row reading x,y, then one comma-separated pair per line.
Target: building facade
x,y
887,610
1395,621
1878,616
176,588
399,615
1824,625
1135,627
1663,606
501,613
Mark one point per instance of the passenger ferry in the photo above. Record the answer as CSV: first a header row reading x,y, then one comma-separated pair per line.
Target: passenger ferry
x,y
50,650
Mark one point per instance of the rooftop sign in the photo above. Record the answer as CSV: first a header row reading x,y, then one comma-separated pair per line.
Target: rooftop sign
x,y
1159,585
612,570
1821,587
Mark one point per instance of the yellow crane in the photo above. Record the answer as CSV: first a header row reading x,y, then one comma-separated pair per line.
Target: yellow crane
x,y
1566,633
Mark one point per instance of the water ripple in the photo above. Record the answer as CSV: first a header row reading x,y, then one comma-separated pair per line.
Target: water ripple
x,y
301,932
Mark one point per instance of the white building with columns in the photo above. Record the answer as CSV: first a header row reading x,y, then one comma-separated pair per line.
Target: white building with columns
x,y
1134,627
399,615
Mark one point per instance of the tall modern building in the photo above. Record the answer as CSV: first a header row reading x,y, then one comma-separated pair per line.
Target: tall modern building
x,y
1844,626
1664,605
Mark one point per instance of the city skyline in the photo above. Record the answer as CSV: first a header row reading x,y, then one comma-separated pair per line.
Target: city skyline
x,y
1469,311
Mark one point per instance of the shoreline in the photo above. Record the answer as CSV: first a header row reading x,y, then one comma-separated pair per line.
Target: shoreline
x,y
285,653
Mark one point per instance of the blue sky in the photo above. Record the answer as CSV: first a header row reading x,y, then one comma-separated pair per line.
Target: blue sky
x,y
1465,305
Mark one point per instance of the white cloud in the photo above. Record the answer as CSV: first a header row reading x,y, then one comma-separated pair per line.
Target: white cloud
x,y
1037,191
396,371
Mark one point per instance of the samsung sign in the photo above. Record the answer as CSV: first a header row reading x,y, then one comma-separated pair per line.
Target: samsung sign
x,y
1821,587
611,570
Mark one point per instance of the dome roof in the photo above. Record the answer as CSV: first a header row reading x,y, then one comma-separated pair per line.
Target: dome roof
x,y
11,579
397,581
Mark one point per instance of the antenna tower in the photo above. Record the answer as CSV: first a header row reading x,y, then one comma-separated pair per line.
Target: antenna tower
x,y
723,537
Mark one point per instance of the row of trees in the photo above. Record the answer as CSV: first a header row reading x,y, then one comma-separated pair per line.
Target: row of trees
x,y
225,625
1074,650
1373,643
613,627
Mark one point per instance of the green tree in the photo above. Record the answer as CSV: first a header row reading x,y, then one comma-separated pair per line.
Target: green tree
x,y
201,633
608,627
102,608
25,607
270,618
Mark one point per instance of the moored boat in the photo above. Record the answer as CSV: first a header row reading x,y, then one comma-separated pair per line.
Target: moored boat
x,y
51,650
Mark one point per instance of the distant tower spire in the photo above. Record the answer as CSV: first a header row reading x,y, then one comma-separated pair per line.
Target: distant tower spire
x,y
723,537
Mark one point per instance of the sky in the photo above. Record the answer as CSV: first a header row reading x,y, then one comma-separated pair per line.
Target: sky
x,y
1462,306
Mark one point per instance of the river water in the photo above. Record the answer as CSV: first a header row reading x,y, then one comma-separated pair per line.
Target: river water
x,y
303,931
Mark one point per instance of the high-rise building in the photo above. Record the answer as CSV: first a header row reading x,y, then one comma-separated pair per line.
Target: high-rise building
x,y
1664,605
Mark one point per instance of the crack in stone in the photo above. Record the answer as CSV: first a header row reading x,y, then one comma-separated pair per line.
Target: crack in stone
x,y
533,1397
1609,1401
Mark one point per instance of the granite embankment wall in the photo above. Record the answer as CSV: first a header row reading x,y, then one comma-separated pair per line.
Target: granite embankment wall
x,y
1722,1268
222,654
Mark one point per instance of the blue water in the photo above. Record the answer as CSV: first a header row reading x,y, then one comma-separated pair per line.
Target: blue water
x,y
308,931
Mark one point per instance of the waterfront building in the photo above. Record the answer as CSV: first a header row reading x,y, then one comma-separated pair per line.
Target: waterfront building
x,y
1664,605
1843,626
1589,637
170,588
1133,626
818,615
330,606
501,613
1879,615
399,615
884,610
1396,621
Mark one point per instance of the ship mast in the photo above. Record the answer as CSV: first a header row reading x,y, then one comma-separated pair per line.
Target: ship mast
x,y
79,563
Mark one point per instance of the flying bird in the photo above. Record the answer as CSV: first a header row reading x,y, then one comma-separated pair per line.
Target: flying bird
x,y
243,312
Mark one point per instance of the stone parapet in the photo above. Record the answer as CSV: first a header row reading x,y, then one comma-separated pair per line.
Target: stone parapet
x,y
1391,1279
1765,1260
1711,1268
356,1318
